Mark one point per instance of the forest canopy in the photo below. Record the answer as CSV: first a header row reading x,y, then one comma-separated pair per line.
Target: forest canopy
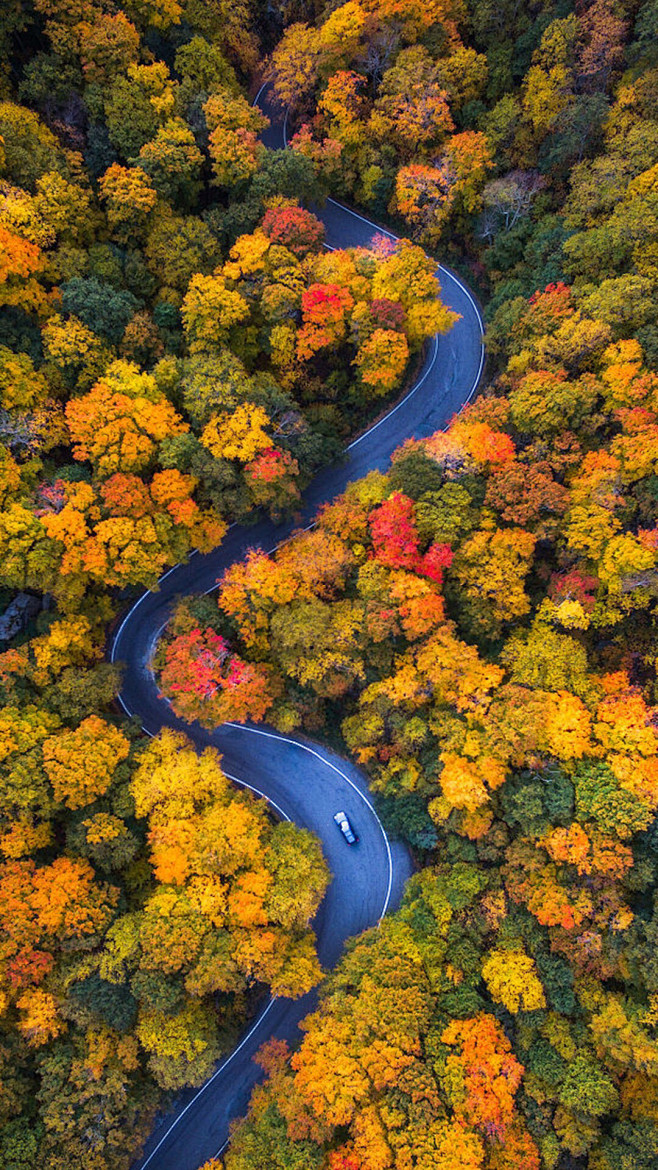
x,y
475,627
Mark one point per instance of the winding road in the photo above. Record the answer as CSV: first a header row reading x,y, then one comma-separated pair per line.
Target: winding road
x,y
303,782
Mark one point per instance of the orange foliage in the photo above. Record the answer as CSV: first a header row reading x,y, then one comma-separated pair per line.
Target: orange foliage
x,y
60,902
80,764
484,1074
324,309
20,264
117,432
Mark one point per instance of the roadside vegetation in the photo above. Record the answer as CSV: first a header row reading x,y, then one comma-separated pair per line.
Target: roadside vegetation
x,y
476,627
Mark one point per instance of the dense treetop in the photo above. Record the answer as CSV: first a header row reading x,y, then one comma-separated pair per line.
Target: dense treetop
x,y
476,627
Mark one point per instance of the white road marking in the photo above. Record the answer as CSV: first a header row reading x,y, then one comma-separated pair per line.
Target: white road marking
x,y
210,1080
284,815
406,398
286,739
328,764
263,86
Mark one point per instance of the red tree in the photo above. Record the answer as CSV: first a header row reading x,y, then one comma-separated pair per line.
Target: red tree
x,y
295,228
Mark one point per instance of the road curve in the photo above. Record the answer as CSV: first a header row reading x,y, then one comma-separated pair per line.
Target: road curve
x,y
304,782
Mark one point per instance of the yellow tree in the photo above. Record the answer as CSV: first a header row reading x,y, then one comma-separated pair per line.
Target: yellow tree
x,y
81,764
294,64
210,310
39,1021
382,360
491,567
129,197
234,127
512,979
239,435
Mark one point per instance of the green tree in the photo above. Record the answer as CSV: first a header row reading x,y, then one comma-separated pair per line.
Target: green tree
x,y
172,160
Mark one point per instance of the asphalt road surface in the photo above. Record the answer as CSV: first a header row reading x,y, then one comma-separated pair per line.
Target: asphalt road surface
x,y
304,782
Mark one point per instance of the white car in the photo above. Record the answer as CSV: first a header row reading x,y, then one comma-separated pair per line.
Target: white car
x,y
345,827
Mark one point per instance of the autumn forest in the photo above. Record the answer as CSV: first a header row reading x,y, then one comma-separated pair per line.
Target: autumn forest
x,y
474,627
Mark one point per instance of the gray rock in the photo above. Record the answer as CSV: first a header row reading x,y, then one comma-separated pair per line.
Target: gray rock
x,y
17,614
